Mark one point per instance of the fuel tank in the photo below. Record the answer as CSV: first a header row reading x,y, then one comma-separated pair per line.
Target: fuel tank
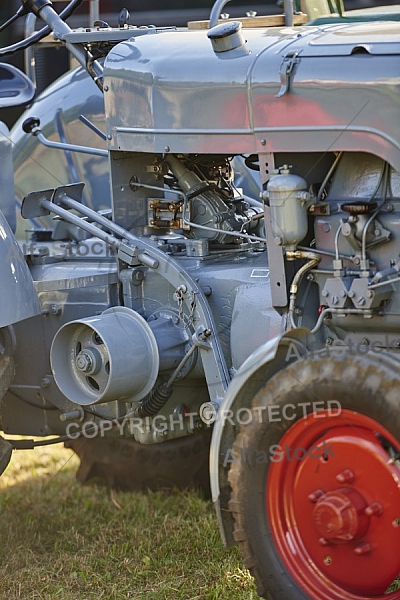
x,y
331,87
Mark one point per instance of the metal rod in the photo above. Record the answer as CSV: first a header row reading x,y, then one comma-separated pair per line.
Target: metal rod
x,y
29,54
60,30
288,8
382,283
94,12
216,11
70,147
74,220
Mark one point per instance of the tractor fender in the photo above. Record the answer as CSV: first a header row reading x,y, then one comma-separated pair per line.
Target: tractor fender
x,y
19,299
260,366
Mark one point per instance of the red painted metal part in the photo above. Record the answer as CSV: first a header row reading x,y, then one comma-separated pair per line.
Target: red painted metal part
x,y
335,514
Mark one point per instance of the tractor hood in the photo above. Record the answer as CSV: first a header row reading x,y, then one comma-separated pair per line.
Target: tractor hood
x,y
333,87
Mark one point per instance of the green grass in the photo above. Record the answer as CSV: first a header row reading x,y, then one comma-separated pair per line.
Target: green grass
x,y
64,540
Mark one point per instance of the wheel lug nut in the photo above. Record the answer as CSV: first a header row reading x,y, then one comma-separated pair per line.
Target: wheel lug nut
x,y
363,548
313,497
323,542
346,476
374,509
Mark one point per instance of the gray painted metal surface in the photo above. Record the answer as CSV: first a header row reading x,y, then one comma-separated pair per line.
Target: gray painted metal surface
x,y
223,103
19,299
179,251
7,197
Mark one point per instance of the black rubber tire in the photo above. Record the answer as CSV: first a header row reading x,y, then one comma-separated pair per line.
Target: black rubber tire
x,y
361,385
128,465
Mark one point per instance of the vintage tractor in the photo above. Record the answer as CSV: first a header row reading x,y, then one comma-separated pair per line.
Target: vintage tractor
x,y
189,305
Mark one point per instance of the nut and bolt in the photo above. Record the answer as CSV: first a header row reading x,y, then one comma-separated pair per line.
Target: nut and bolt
x,y
363,548
55,309
45,382
346,476
314,496
323,542
374,509
84,362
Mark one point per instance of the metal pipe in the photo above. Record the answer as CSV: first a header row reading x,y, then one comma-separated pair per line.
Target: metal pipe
x,y
29,55
94,12
288,8
96,218
74,220
60,30
70,147
314,259
328,175
216,12
382,283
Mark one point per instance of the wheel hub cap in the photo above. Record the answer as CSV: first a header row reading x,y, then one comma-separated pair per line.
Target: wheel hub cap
x,y
339,516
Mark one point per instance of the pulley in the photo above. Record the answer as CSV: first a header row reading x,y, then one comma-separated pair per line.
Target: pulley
x,y
106,357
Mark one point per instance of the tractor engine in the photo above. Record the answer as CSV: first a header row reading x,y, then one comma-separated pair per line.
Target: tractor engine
x,y
350,225
234,262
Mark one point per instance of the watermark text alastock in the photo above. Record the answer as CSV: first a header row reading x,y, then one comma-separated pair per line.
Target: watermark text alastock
x,y
277,453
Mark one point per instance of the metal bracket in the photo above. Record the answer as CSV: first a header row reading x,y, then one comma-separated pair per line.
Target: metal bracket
x,y
32,204
276,261
72,190
286,72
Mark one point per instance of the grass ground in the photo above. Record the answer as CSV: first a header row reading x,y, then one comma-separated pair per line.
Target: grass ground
x,y
60,539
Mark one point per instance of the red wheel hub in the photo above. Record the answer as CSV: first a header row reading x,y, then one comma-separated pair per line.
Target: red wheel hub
x,y
338,516
334,507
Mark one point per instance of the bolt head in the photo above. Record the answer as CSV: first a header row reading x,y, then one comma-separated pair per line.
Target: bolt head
x,y
83,362
314,496
346,476
363,548
374,509
323,542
